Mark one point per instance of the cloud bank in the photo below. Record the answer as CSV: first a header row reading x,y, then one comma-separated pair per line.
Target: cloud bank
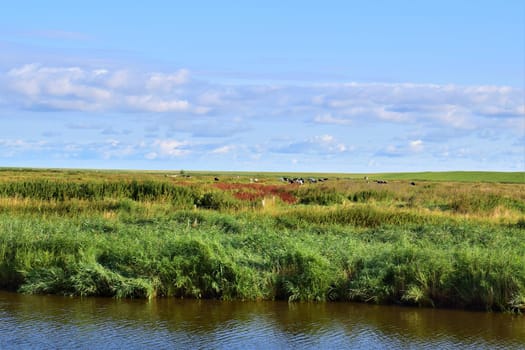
x,y
95,90
36,86
173,115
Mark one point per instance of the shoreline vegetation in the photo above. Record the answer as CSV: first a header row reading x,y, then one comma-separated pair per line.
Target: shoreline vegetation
x,y
451,239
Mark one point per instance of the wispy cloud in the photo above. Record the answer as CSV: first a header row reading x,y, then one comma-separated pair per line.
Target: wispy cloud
x,y
223,149
449,105
166,82
10,147
327,118
101,89
151,103
403,149
323,144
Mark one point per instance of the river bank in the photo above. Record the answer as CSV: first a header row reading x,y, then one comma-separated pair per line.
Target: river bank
x,y
340,241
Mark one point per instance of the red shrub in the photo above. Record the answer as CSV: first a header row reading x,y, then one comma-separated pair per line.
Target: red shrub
x,y
251,192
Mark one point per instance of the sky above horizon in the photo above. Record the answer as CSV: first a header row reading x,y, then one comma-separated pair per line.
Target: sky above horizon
x,y
337,86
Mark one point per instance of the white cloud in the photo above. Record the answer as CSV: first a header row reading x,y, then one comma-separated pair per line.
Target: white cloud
x,y
456,117
223,149
325,138
166,82
171,148
322,145
61,88
19,145
103,89
201,110
342,147
448,105
117,79
211,98
113,142
100,72
151,103
83,89
120,152
416,146
327,118
386,119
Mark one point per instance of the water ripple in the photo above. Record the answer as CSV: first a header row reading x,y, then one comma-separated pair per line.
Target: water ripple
x,y
28,322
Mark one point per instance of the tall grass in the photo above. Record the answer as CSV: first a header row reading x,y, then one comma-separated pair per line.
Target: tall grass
x,y
429,245
246,257
65,190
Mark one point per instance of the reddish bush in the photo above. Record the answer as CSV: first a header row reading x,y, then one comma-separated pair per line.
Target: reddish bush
x,y
251,192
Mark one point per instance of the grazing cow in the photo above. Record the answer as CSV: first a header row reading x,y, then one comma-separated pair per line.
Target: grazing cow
x,y
298,180
216,179
412,183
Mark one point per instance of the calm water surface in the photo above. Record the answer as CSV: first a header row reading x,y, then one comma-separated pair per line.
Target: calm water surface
x,y
52,322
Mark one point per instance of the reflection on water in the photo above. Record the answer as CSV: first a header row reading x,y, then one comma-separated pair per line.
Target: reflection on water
x,y
58,322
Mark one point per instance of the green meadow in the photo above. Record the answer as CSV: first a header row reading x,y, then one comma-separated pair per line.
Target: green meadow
x,y
451,239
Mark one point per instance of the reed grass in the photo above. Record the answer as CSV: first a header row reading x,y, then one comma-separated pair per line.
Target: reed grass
x,y
433,244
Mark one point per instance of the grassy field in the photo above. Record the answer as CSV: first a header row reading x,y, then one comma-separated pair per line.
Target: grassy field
x,y
446,240
463,176
88,174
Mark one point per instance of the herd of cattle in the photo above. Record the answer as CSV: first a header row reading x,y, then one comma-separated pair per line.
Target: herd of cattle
x,y
300,180
313,180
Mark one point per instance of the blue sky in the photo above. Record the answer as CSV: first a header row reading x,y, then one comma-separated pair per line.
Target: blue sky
x,y
332,86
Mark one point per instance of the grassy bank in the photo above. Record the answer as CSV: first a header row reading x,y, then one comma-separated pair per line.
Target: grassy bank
x,y
441,244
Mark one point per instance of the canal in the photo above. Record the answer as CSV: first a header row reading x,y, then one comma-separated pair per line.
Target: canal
x,y
54,322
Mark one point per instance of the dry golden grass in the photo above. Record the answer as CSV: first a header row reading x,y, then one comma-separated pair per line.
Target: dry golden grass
x,y
486,202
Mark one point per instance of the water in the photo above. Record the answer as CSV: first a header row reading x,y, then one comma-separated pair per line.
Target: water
x,y
52,322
